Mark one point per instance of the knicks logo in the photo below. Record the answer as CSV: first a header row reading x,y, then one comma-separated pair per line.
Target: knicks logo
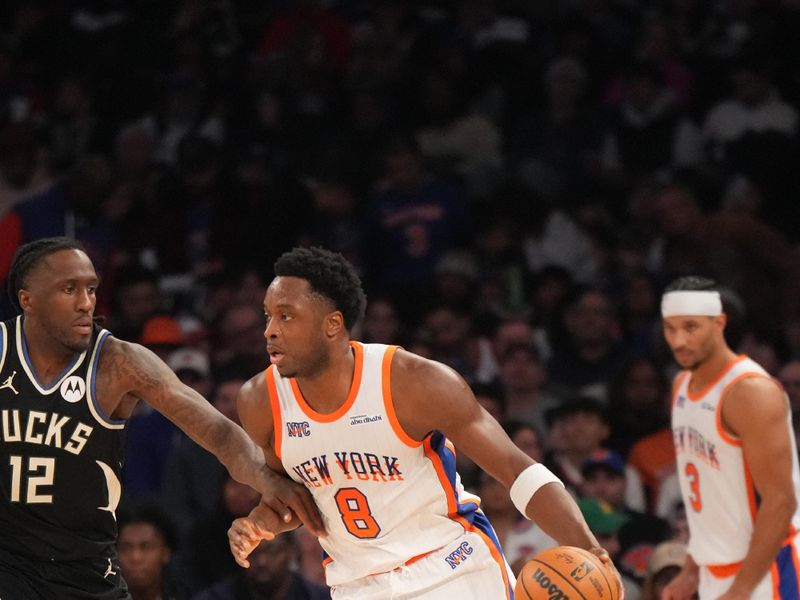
x,y
298,428
73,389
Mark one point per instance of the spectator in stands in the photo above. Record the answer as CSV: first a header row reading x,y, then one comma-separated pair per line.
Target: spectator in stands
x,y
575,429
239,342
207,558
586,349
664,564
151,437
192,480
271,576
524,378
146,543
650,132
789,376
136,298
412,220
753,132
638,401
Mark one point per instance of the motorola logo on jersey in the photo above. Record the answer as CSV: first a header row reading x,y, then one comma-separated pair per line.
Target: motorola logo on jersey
x,y
73,388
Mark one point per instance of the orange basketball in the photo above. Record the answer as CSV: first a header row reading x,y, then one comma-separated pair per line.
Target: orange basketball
x,y
566,572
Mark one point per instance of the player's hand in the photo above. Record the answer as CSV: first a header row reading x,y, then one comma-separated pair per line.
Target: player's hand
x,y
243,536
290,501
264,519
602,554
682,587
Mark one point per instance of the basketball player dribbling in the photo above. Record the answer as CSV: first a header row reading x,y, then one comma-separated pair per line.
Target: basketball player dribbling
x,y
67,389
371,431
736,458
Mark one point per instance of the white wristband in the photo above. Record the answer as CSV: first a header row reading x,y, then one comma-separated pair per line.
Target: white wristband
x,y
528,482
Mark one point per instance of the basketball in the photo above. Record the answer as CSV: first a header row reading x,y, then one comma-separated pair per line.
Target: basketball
x,y
566,572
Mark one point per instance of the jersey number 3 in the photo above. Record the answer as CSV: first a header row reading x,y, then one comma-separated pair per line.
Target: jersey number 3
x,y
356,515
694,487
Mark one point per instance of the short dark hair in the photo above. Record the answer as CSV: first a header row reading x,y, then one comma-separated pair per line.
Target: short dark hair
x,y
329,275
579,404
692,283
154,515
29,256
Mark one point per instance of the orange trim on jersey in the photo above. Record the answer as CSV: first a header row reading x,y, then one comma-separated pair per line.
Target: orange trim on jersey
x,y
776,580
723,571
792,533
728,437
388,399
452,511
498,558
414,559
677,383
358,352
326,561
277,419
796,563
452,504
697,396
410,561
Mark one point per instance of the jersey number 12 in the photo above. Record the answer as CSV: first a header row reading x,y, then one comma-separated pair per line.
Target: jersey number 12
x,y
39,473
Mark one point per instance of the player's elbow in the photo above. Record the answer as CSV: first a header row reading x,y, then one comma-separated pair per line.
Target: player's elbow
x,y
784,503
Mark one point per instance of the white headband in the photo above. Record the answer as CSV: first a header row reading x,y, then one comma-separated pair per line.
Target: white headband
x,y
694,303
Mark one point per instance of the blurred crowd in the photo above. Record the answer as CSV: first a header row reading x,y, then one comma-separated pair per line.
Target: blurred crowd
x,y
515,180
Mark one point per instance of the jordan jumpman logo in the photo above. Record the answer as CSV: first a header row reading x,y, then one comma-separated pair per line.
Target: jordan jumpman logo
x,y
9,383
110,569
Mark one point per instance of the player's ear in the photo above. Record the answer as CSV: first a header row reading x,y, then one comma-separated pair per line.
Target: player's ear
x,y
24,299
334,323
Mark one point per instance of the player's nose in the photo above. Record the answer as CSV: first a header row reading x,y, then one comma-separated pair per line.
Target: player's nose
x,y
85,301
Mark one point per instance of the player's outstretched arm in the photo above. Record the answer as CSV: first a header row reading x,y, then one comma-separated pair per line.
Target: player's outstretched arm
x,y
430,396
756,410
255,414
133,371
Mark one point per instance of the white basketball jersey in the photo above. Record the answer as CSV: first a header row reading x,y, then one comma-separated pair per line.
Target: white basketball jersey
x,y
716,483
385,498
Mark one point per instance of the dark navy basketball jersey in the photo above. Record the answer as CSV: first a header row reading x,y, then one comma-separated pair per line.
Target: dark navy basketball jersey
x,y
60,456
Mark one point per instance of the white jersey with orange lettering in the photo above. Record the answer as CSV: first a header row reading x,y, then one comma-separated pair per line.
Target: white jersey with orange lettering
x,y
386,499
716,482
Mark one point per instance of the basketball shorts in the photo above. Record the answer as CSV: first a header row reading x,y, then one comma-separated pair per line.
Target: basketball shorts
x,y
782,581
98,578
466,569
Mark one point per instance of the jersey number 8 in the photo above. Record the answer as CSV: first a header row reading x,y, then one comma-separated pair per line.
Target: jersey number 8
x,y
356,515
